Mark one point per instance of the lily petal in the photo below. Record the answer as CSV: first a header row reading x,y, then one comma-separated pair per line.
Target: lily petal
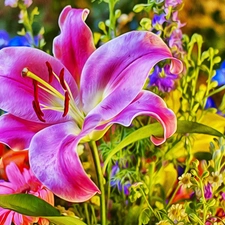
x,y
123,67
55,162
17,133
150,104
20,90
75,43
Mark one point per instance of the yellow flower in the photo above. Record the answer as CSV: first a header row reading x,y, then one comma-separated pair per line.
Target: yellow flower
x,y
177,213
216,179
185,180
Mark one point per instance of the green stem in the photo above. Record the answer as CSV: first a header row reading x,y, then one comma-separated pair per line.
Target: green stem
x,y
203,201
174,193
100,182
86,213
217,90
112,29
149,206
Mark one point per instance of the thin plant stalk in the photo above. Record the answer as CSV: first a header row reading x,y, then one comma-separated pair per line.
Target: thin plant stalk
x,y
100,182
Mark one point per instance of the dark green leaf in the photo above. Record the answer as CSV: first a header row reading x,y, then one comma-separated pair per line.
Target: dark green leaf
x,y
28,204
203,155
185,127
31,205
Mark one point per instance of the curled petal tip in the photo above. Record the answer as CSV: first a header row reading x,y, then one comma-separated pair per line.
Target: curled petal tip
x,y
176,66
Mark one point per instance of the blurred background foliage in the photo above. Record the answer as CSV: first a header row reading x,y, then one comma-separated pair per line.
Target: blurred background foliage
x,y
206,17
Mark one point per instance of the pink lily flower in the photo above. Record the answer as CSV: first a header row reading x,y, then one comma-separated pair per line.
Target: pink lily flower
x,y
22,182
75,96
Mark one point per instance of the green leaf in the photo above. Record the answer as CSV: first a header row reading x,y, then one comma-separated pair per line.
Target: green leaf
x,y
203,155
65,220
31,205
155,129
185,127
139,7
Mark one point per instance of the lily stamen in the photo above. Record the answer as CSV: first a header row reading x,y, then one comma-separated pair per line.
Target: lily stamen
x,y
62,80
27,73
66,104
36,104
45,86
38,111
50,71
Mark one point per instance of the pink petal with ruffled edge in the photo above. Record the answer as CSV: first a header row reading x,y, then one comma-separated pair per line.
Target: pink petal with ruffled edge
x,y
75,43
147,103
55,162
123,65
16,178
17,133
20,90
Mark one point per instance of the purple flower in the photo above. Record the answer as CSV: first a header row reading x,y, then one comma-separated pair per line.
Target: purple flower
x,y
158,19
163,79
168,25
173,3
208,191
223,195
14,3
175,40
115,182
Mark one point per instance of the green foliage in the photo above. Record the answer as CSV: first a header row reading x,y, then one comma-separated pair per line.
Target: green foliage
x,y
31,205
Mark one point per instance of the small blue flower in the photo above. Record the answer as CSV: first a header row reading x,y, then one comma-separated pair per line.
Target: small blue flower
x,y
210,103
220,75
19,41
4,39
25,40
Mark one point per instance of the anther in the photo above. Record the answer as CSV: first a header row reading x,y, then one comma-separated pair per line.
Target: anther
x,y
38,111
24,72
66,104
36,104
35,84
50,72
61,79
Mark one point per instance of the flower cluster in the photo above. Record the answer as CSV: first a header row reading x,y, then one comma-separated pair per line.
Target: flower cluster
x,y
22,182
166,24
